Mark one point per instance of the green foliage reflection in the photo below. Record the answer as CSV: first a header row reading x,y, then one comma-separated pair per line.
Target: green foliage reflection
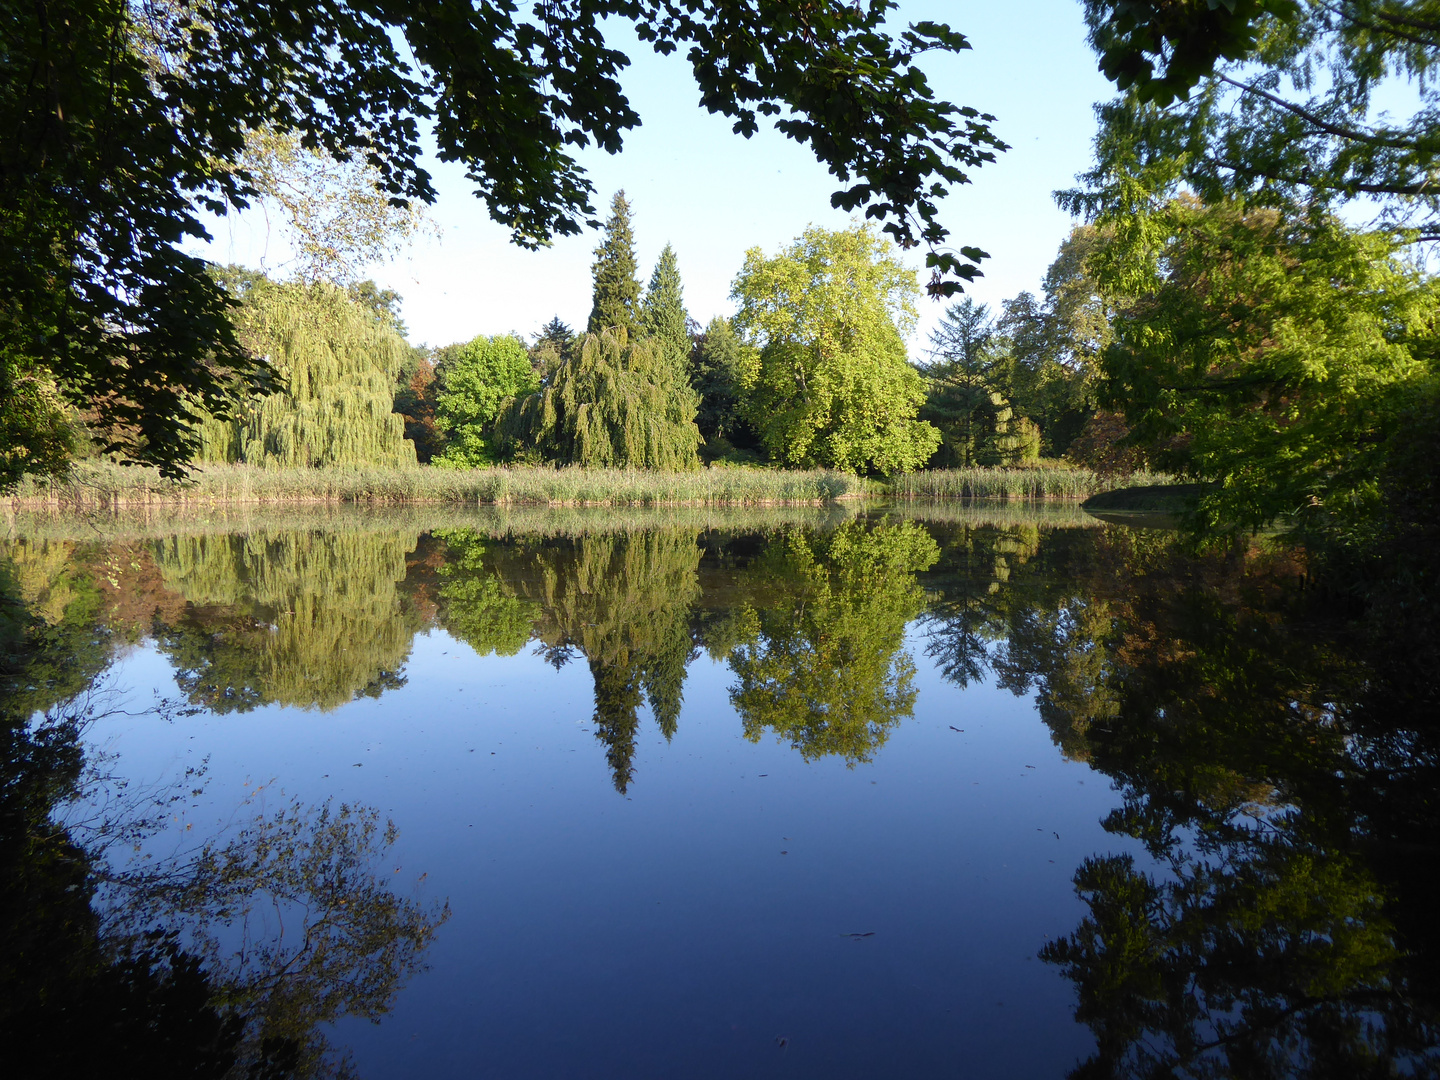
x,y
1285,928
824,667
225,958
295,618
622,601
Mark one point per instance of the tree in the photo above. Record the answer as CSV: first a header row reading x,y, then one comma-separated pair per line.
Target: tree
x,y
614,404
118,127
477,380
1055,342
415,401
99,306
718,368
336,364
1271,357
1272,100
617,289
964,386
830,383
663,316
338,213
553,346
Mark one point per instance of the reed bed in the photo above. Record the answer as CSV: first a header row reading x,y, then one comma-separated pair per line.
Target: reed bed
x,y
113,487
1038,482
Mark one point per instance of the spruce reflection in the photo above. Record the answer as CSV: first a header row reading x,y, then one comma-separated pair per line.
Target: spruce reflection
x,y
1289,930
822,663
165,966
305,618
621,601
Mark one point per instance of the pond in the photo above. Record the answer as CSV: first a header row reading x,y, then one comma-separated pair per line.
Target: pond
x,y
844,792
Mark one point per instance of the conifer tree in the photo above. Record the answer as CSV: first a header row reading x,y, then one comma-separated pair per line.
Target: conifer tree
x,y
662,313
556,334
614,404
553,346
617,289
337,365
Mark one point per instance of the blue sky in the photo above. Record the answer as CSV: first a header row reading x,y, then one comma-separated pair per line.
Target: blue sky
x,y
713,194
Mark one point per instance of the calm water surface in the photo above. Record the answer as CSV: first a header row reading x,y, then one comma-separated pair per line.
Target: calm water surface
x,y
956,792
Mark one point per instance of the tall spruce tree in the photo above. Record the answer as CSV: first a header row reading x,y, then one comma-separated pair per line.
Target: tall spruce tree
x,y
662,313
337,365
617,289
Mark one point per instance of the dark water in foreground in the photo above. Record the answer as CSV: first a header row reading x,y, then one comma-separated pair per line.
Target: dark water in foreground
x,y
789,794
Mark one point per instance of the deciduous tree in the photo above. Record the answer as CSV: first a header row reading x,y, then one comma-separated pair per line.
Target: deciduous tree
x,y
831,383
336,363
477,380
1271,357
615,403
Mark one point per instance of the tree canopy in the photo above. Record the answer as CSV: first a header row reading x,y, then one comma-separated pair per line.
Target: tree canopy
x,y
830,383
1286,102
336,363
613,403
476,380
1272,357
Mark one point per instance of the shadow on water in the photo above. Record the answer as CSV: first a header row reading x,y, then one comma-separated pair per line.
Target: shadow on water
x,y
1282,791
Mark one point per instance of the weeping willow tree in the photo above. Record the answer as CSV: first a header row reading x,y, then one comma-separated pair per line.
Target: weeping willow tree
x,y
823,663
337,362
292,618
614,403
623,602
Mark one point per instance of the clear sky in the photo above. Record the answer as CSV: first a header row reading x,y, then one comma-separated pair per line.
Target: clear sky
x,y
712,194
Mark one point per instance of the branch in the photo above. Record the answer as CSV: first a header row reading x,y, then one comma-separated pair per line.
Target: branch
x,y
1355,20
1365,189
1353,134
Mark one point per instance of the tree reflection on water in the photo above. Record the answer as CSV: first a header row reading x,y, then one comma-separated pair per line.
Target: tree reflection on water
x,y
821,664
225,958
1289,927
1264,755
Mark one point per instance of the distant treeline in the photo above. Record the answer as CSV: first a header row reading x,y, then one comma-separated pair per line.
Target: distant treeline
x,y
811,372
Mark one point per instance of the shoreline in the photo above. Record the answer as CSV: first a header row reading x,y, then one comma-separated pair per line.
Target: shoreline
x,y
116,489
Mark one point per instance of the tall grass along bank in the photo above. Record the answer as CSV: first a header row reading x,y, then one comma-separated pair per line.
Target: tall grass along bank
x,y
1040,482
114,487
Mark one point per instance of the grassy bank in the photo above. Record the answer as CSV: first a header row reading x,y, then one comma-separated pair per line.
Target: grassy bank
x,y
112,487
1037,482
